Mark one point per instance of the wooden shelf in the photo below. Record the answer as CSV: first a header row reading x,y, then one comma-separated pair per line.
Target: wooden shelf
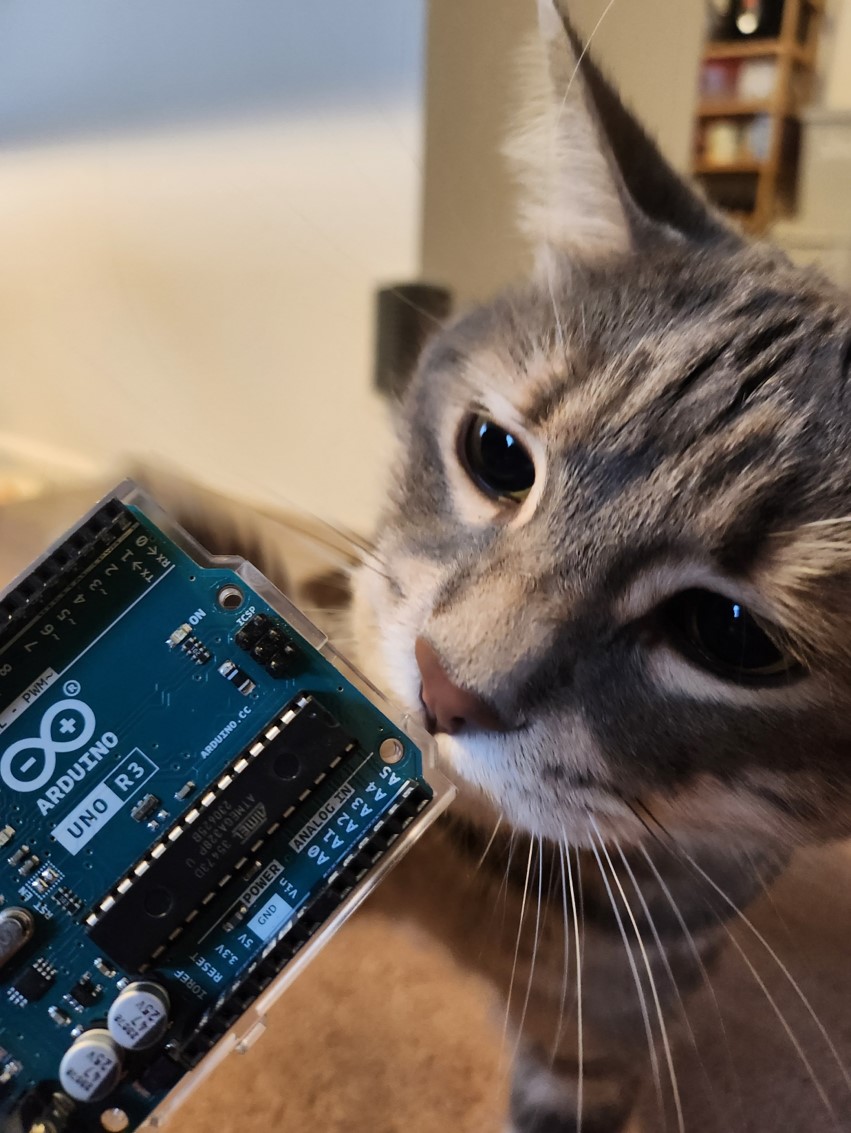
x,y
711,167
735,107
753,49
754,191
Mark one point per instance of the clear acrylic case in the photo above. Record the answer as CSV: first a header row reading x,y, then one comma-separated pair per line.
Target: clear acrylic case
x,y
250,1026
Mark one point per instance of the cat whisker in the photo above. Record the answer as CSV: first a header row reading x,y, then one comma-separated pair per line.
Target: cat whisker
x,y
501,900
566,961
353,544
663,1030
487,848
769,896
707,981
633,967
502,893
580,1035
364,564
351,539
534,944
552,884
677,914
663,955
793,983
684,856
349,559
517,943
581,58
790,1034
346,558
580,1030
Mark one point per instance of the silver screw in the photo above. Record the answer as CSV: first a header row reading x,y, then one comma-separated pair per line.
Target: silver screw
x,y
391,750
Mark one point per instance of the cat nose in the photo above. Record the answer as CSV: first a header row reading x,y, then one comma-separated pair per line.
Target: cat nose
x,y
450,707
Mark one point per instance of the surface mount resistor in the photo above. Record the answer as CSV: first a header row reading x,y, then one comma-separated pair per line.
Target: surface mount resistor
x,y
237,677
29,866
60,1018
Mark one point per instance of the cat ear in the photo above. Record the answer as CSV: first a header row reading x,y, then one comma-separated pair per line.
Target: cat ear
x,y
595,184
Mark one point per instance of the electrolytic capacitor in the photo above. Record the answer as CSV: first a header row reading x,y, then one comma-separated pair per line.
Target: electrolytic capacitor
x,y
16,928
91,1066
138,1016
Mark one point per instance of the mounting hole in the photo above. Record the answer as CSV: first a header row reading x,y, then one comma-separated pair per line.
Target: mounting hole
x,y
114,1120
230,597
158,902
287,765
391,750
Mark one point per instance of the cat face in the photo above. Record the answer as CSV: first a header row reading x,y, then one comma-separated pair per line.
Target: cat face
x,y
620,517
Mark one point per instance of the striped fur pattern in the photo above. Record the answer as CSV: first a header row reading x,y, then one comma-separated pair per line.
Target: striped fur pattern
x,y
682,394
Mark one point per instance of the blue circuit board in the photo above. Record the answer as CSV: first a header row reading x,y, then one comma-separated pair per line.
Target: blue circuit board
x,y
195,789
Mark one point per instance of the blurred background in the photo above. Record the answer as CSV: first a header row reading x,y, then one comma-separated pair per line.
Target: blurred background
x,y
199,199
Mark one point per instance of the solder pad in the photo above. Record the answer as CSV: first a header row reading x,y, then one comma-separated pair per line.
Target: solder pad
x,y
196,789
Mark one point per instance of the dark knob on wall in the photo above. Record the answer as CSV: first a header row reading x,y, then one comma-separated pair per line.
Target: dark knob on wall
x,y
406,315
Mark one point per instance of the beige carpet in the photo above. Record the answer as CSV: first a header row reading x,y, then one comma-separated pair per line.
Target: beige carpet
x,y
380,1035
383,1034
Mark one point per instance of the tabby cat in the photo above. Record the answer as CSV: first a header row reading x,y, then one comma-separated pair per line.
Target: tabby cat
x,y
615,583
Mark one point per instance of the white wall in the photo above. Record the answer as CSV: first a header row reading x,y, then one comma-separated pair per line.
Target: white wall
x,y
836,63
203,294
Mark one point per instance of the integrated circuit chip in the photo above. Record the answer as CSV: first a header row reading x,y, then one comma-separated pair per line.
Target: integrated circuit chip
x,y
85,991
33,982
135,921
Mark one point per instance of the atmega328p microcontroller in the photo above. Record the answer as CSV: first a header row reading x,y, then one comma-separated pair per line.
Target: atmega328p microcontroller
x,y
196,789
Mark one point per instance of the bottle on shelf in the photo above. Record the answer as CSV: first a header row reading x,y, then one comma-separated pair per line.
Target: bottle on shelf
x,y
750,19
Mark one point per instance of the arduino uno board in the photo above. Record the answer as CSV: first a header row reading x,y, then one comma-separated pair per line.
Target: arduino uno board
x,y
196,790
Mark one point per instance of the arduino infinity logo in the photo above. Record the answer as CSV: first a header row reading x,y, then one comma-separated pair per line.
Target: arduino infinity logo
x,y
28,764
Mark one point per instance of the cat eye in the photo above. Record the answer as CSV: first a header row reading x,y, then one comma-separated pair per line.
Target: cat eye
x,y
495,460
719,634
